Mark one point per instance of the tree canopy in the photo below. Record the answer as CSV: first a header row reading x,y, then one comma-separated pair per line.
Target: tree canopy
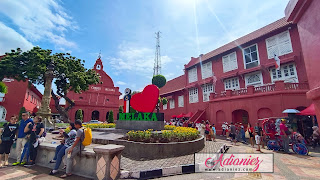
x,y
70,73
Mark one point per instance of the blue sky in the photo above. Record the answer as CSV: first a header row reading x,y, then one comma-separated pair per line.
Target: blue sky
x,y
124,31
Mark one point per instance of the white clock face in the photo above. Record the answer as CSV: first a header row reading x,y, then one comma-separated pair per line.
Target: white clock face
x,y
98,67
127,91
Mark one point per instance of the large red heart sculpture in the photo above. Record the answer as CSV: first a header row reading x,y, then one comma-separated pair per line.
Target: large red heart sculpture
x,y
147,100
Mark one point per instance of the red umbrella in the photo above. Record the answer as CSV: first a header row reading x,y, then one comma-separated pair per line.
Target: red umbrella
x,y
188,115
180,115
173,116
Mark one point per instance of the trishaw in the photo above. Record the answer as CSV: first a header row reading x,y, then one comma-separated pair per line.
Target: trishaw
x,y
271,130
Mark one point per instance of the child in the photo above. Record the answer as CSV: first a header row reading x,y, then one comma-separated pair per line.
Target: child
x,y
214,132
36,130
257,138
9,132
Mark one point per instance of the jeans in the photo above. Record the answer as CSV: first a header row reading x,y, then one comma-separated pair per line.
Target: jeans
x,y
21,142
285,143
69,161
33,152
60,152
244,138
25,153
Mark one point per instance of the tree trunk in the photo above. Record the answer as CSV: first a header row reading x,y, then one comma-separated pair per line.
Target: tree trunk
x,y
62,111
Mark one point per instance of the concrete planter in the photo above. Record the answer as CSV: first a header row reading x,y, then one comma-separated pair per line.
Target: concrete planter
x,y
140,150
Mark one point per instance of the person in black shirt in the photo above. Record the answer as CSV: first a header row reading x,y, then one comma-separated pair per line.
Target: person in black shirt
x,y
259,131
10,130
35,129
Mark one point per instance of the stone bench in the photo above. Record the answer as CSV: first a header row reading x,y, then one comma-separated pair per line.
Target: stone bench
x,y
93,163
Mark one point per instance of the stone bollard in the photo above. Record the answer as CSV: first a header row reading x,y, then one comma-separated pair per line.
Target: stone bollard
x,y
108,161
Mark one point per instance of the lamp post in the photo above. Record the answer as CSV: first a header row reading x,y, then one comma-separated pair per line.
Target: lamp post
x,y
45,110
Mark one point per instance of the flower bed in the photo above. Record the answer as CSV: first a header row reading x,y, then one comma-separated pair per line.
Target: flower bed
x,y
177,134
169,127
102,125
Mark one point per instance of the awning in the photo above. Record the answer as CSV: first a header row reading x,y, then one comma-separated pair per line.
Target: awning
x,y
190,114
311,111
180,115
173,116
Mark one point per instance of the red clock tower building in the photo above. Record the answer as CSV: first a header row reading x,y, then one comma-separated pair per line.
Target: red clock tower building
x,y
99,100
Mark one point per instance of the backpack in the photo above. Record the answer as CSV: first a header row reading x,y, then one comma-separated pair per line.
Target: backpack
x,y
87,137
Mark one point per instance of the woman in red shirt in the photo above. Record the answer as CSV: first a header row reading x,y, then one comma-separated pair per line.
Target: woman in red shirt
x,y
251,131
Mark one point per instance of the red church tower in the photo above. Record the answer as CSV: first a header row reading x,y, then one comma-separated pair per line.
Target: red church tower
x,y
98,100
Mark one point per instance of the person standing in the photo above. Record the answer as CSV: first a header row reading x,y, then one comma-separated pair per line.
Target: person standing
x,y
36,130
214,132
257,138
207,131
243,135
22,138
224,127
10,130
259,131
250,130
201,128
284,133
73,150
233,133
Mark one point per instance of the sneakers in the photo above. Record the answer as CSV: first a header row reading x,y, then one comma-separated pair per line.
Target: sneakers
x,y
16,163
22,163
29,164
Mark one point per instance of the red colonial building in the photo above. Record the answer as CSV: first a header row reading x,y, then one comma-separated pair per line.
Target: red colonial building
x,y
98,100
238,82
20,94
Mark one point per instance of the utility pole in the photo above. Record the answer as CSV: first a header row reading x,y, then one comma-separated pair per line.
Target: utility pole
x,y
157,59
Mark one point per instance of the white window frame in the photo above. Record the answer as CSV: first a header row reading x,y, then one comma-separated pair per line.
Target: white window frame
x,y
165,106
289,78
171,103
278,53
227,64
259,73
244,58
3,113
192,75
236,80
206,90
180,101
206,70
193,95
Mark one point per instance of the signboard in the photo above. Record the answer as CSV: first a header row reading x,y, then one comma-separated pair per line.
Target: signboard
x,y
141,117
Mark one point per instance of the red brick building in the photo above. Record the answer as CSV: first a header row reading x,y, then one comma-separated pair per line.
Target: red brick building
x,y
98,100
20,94
238,82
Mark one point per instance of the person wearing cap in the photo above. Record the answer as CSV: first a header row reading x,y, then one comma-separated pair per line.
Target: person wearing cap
x,y
284,133
73,150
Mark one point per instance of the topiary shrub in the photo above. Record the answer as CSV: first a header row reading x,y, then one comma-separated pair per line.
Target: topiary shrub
x,y
159,81
3,88
79,115
110,119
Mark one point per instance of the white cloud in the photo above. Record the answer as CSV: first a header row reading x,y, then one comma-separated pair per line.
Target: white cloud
x,y
11,40
120,83
136,59
40,20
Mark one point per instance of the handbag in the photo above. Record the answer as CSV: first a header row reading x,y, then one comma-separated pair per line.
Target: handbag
x,y
247,135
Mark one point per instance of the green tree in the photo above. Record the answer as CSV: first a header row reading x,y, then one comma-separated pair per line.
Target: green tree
x,y
110,119
70,73
79,114
121,109
3,88
22,110
159,81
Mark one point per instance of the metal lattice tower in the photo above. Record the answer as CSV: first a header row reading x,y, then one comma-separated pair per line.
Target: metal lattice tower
x,y
157,59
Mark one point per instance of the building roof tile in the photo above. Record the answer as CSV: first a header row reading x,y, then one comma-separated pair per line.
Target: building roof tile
x,y
173,85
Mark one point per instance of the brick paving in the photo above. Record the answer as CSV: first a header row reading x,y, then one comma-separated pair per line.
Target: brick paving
x,y
135,165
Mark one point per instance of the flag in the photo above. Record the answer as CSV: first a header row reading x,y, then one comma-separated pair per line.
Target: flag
x,y
277,62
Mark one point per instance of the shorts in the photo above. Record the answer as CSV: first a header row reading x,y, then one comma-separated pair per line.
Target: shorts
x,y
5,147
251,135
206,132
233,136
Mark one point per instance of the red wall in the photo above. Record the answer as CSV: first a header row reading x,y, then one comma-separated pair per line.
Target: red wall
x,y
17,98
306,14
